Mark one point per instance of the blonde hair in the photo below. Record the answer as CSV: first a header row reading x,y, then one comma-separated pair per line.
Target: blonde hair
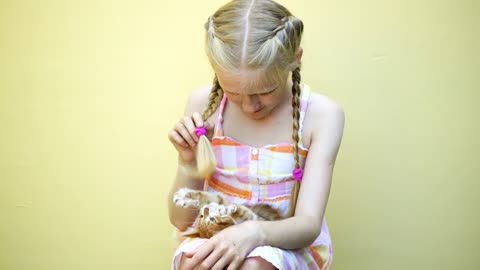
x,y
256,35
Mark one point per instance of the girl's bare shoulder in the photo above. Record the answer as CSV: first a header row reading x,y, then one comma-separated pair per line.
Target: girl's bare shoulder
x,y
198,99
321,106
324,115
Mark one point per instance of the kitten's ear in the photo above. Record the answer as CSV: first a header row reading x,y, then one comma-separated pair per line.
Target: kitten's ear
x,y
191,232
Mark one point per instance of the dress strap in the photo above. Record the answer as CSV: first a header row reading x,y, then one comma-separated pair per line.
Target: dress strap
x,y
304,98
219,125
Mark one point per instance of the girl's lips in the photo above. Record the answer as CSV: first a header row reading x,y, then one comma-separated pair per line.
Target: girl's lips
x,y
256,112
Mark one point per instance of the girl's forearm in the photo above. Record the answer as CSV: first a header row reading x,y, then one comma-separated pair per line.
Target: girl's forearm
x,y
291,233
182,218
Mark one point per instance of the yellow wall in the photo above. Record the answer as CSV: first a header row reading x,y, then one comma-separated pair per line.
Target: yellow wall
x,y
89,89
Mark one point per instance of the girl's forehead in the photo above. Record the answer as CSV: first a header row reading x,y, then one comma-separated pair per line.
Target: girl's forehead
x,y
247,81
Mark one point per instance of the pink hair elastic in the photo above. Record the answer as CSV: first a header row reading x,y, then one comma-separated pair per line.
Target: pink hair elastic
x,y
201,131
298,174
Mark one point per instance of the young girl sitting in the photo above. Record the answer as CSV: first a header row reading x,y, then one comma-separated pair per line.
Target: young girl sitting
x,y
275,142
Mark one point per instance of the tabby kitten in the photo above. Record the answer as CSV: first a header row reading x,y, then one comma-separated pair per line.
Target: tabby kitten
x,y
217,213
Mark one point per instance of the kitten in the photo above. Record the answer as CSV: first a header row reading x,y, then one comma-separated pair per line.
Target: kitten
x,y
217,213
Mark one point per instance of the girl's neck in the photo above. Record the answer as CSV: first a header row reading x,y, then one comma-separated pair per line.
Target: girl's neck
x,y
274,128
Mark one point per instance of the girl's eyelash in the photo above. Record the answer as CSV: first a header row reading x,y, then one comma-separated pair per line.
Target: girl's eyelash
x,y
230,93
261,94
266,93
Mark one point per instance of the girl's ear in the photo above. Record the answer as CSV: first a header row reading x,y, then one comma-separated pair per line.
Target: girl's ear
x,y
299,56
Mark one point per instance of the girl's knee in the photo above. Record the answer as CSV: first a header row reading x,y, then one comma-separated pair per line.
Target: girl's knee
x,y
257,263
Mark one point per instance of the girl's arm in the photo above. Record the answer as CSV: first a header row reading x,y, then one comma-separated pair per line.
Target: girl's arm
x,y
302,229
182,218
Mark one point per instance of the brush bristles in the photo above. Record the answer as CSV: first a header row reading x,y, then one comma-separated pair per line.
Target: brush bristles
x,y
206,161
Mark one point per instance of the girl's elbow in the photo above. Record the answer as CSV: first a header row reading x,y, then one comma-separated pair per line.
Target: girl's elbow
x,y
181,220
314,229
181,226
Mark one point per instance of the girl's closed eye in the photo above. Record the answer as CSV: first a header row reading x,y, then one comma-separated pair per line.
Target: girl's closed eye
x,y
268,93
230,93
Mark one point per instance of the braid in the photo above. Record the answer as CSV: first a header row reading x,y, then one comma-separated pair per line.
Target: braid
x,y
275,31
296,113
287,22
210,27
206,160
295,136
280,45
216,95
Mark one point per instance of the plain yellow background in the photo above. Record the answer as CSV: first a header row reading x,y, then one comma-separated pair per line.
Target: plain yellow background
x,y
89,90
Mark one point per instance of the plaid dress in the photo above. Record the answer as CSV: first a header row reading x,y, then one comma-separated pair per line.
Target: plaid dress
x,y
250,175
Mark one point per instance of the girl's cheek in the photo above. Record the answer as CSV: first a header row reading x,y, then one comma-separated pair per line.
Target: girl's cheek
x,y
268,99
235,98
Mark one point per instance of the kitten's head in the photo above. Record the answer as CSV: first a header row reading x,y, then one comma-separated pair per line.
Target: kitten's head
x,y
209,222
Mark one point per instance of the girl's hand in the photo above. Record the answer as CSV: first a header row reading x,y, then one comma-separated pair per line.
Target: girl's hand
x,y
225,250
183,136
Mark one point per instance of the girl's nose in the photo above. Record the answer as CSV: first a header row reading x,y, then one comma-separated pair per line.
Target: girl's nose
x,y
250,104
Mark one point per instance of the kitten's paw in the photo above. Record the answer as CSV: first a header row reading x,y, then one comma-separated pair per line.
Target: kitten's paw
x,y
226,210
185,197
230,209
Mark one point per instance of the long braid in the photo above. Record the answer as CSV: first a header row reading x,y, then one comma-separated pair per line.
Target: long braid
x,y
295,135
214,98
206,161
296,113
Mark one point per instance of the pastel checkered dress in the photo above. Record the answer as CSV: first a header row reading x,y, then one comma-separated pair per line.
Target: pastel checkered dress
x,y
250,175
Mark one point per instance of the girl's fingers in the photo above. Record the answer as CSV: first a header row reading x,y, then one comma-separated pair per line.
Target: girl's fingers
x,y
187,265
189,254
200,255
197,119
223,261
190,126
213,259
209,125
210,128
182,130
235,264
176,139
199,122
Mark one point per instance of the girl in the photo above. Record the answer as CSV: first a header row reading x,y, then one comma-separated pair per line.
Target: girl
x,y
262,123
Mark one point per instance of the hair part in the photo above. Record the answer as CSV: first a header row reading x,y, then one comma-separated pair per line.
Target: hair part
x,y
253,34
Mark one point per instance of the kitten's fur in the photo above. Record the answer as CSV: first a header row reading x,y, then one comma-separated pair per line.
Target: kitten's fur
x,y
217,213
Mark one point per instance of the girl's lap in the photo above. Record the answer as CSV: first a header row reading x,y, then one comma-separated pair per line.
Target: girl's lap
x,y
263,257
252,263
